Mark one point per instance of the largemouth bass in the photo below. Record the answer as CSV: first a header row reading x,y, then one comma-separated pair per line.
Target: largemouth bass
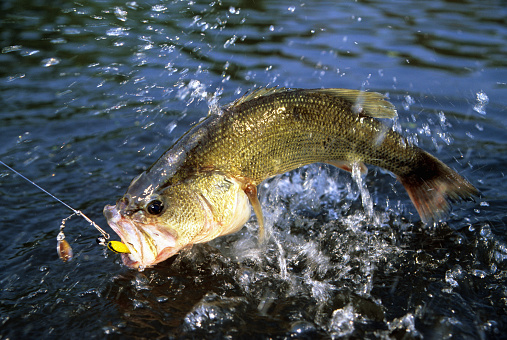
x,y
203,186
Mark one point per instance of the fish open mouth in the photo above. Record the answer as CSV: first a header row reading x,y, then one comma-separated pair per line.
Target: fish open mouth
x,y
148,244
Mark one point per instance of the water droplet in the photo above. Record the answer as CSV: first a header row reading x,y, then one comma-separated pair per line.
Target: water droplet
x,y
16,76
302,327
58,41
408,101
110,330
482,101
138,304
29,53
120,14
231,41
479,273
116,32
342,321
159,8
12,48
486,232
132,5
162,299
365,194
50,62
452,275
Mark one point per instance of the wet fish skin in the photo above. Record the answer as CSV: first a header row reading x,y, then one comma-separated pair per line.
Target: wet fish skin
x,y
199,209
204,182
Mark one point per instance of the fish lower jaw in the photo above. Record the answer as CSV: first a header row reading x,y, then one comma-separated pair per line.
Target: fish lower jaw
x,y
141,265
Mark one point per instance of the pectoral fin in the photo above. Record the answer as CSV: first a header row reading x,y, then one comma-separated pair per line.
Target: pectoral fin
x,y
347,166
251,192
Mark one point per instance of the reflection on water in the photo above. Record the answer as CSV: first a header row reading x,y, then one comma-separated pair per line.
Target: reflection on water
x,y
93,92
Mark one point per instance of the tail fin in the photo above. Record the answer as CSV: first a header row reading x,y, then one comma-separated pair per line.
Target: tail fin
x,y
432,185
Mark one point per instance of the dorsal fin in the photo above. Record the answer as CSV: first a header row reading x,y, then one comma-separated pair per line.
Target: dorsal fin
x,y
371,104
260,92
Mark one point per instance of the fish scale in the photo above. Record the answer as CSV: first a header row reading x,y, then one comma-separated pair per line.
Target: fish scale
x,y
304,132
199,188
269,140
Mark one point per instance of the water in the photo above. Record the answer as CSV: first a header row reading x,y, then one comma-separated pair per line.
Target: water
x,y
92,92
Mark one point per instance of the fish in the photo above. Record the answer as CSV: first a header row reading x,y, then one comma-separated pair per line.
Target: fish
x,y
205,185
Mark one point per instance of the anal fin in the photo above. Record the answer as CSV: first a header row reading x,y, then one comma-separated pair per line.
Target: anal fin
x,y
347,166
251,192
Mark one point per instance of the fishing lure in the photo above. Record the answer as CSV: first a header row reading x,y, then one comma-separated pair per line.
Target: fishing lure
x,y
118,247
63,247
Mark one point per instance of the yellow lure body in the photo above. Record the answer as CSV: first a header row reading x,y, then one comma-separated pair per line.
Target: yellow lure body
x,y
118,247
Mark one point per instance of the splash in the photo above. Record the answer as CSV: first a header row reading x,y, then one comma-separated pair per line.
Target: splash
x,y
322,248
482,101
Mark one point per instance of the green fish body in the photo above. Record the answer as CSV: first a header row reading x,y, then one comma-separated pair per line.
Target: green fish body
x,y
201,187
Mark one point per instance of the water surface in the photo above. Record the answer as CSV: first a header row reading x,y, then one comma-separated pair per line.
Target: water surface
x,y
92,92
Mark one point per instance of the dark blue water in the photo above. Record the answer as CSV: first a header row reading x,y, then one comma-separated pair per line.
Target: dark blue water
x,y
92,92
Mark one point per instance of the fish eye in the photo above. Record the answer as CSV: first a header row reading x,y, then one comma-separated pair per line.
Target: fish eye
x,y
155,207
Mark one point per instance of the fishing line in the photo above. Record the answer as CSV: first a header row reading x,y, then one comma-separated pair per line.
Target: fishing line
x,y
63,247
